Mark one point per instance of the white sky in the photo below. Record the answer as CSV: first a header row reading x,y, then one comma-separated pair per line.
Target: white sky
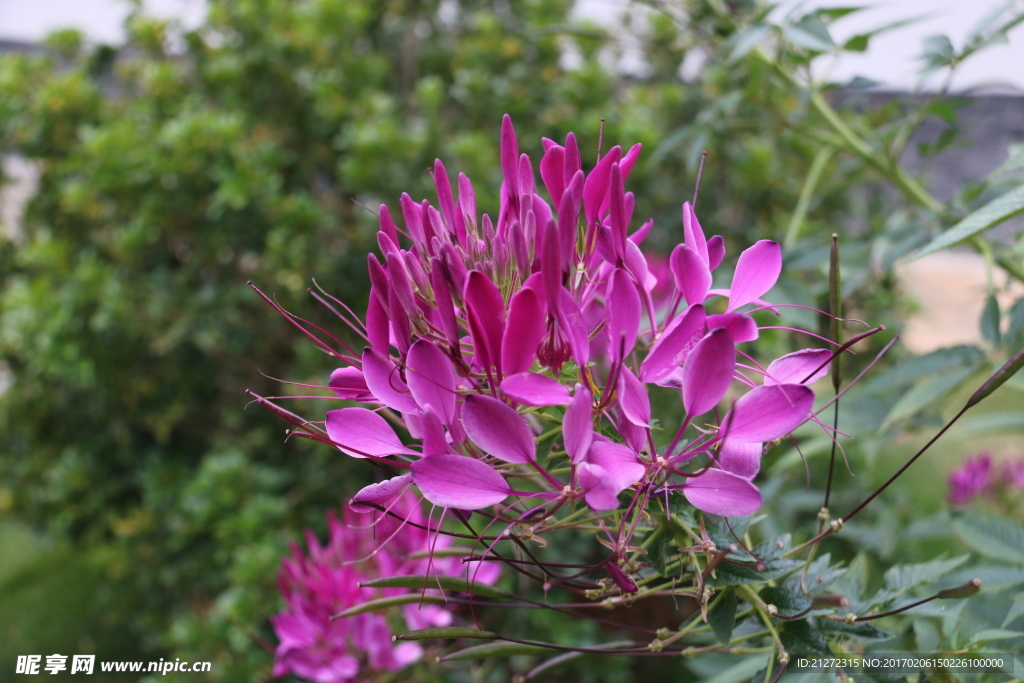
x,y
891,59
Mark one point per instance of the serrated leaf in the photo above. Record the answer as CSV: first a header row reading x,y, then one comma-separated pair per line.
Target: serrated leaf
x,y
991,635
994,537
802,636
735,574
740,671
861,631
788,597
987,425
454,584
938,361
722,616
386,603
447,632
997,211
820,575
990,319
494,650
1016,610
1015,333
926,393
904,577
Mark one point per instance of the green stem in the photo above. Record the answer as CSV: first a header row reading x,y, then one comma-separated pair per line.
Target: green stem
x,y
806,193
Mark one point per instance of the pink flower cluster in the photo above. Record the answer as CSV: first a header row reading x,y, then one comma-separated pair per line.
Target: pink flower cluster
x,y
484,338
977,477
326,581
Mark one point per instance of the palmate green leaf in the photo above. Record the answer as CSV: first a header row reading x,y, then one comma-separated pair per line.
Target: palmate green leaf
x,y
999,210
938,52
926,393
810,33
1015,332
494,650
722,616
993,537
735,575
993,27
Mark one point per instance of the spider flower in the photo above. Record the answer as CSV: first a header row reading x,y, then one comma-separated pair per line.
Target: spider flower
x,y
508,363
325,580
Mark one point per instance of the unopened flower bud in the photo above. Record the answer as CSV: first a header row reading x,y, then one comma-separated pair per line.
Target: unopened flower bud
x,y
961,592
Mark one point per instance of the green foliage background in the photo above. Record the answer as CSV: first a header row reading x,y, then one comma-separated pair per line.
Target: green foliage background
x,y
178,166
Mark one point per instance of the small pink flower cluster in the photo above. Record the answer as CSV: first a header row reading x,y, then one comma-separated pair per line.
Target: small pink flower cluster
x,y
326,581
977,477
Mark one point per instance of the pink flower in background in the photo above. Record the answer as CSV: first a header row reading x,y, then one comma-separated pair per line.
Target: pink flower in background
x,y
979,476
325,580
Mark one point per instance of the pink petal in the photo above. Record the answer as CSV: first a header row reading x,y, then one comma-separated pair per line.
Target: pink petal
x,y
386,383
756,272
387,225
618,218
693,278
795,368
716,251
578,424
622,314
708,372
568,219
633,400
524,332
674,345
498,429
485,310
595,190
531,389
742,458
361,433
455,481
722,493
381,493
619,461
552,172
444,194
509,157
378,327
348,383
741,326
768,412
570,320
413,216
550,264
693,235
431,379
600,491
432,432
446,319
